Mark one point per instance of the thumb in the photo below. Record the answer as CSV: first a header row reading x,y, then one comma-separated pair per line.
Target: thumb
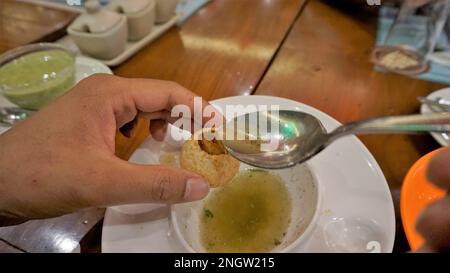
x,y
133,183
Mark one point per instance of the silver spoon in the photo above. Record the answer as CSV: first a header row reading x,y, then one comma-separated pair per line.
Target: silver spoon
x,y
441,104
300,136
438,105
12,115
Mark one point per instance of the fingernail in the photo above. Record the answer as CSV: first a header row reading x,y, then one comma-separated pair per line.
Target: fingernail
x,y
196,189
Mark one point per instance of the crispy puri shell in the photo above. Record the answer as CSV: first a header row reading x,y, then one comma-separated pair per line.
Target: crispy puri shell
x,y
210,160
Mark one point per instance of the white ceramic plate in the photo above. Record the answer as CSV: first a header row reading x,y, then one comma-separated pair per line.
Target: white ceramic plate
x,y
85,67
424,109
357,213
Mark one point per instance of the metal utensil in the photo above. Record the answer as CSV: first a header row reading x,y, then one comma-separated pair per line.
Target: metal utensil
x,y
439,102
438,105
11,115
300,136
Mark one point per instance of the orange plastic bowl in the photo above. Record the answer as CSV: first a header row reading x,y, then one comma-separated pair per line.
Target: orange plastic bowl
x,y
417,193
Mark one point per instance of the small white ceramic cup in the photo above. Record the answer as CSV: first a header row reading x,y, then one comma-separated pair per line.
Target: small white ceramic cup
x,y
305,195
165,9
106,44
140,20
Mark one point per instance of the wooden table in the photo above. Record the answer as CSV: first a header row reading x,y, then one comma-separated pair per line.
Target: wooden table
x,y
22,23
314,52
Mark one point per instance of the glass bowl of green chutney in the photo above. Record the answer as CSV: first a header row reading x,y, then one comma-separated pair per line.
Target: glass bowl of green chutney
x,y
32,76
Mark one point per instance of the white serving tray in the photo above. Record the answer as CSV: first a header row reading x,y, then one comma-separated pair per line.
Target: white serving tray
x,y
184,10
130,49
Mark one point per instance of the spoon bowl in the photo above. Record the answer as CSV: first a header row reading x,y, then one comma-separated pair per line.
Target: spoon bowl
x,y
288,136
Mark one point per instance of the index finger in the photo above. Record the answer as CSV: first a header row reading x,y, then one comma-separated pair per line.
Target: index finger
x,y
156,95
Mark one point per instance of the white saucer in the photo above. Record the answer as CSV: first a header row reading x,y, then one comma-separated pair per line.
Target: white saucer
x,y
85,67
357,210
424,109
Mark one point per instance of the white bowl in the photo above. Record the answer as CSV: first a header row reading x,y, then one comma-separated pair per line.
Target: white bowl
x,y
140,21
100,44
304,191
165,9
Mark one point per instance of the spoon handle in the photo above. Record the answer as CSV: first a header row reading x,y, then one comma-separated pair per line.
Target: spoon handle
x,y
435,122
434,103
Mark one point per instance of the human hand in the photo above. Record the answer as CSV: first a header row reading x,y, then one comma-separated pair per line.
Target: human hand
x,y
62,158
434,222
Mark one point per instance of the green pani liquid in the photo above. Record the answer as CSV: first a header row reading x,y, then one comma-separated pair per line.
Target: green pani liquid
x,y
250,214
33,80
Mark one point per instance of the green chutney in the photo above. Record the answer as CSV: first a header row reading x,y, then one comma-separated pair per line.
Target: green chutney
x,y
35,79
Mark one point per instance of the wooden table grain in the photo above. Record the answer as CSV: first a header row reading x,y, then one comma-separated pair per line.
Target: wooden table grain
x,y
6,247
325,63
24,23
223,50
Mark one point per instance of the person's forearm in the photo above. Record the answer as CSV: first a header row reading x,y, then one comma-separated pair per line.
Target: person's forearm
x,y
5,218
